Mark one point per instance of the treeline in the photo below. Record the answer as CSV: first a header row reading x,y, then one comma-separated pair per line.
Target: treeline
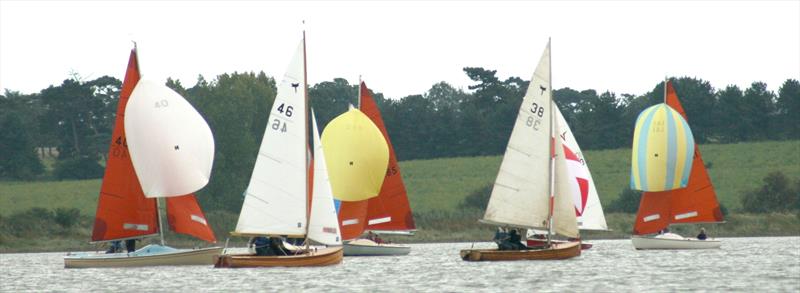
x,y
73,121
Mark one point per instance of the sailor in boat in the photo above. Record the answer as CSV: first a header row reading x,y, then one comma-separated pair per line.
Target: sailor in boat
x,y
276,246
501,238
130,245
702,235
116,246
261,245
515,240
374,237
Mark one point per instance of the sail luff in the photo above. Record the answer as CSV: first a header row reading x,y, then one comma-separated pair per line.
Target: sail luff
x,y
563,208
305,134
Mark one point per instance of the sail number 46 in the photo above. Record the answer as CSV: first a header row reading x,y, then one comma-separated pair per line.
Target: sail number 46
x,y
287,111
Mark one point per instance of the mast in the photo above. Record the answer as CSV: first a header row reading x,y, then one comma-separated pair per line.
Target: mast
x,y
305,134
160,221
550,147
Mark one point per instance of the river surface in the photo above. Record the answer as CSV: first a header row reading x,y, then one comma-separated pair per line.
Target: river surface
x,y
742,265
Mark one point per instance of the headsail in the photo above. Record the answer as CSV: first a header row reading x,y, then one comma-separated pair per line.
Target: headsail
x,y
323,226
564,218
122,209
521,194
587,202
356,155
185,216
275,199
697,203
171,145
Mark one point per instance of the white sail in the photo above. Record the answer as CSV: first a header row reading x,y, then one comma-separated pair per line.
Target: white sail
x,y
275,199
584,194
323,226
521,194
564,219
171,145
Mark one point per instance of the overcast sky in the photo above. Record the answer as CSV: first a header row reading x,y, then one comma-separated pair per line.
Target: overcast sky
x,y
403,48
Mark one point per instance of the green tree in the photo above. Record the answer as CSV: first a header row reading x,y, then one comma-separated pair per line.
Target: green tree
x,y
758,108
18,158
776,195
627,202
788,107
728,115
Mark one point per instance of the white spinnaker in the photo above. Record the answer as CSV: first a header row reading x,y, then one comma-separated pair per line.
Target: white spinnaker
x,y
275,199
564,219
170,144
592,217
521,193
323,226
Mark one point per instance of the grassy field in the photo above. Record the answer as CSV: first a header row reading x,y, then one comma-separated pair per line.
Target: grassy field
x,y
734,169
436,187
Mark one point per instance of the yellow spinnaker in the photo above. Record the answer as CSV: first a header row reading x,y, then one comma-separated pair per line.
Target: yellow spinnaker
x,y
663,149
357,156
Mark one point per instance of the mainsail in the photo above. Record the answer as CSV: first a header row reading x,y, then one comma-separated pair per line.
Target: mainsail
x,y
170,143
122,209
696,203
521,192
275,201
323,226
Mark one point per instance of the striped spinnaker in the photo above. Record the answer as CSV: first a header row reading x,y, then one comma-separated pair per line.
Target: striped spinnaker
x,y
663,147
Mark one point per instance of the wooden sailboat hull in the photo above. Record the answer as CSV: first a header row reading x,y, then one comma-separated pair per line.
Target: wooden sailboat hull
x,y
146,256
538,242
558,251
364,247
321,257
655,242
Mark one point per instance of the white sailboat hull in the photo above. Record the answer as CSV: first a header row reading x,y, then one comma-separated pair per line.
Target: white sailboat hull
x,y
673,241
364,247
151,255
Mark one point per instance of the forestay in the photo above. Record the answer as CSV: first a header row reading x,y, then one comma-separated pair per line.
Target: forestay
x,y
521,194
170,143
275,199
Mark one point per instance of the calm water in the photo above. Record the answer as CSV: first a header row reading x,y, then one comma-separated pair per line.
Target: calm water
x,y
743,264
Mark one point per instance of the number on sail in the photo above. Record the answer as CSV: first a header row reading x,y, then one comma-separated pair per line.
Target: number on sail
x,y
287,112
277,125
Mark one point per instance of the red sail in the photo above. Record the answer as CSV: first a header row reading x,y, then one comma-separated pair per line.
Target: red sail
x,y
186,217
389,210
122,210
697,203
352,215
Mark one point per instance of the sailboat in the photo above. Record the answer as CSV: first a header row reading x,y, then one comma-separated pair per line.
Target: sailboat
x,y
278,196
125,210
526,193
387,213
584,194
682,192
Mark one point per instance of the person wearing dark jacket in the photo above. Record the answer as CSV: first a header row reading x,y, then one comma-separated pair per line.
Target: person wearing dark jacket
x,y
702,235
